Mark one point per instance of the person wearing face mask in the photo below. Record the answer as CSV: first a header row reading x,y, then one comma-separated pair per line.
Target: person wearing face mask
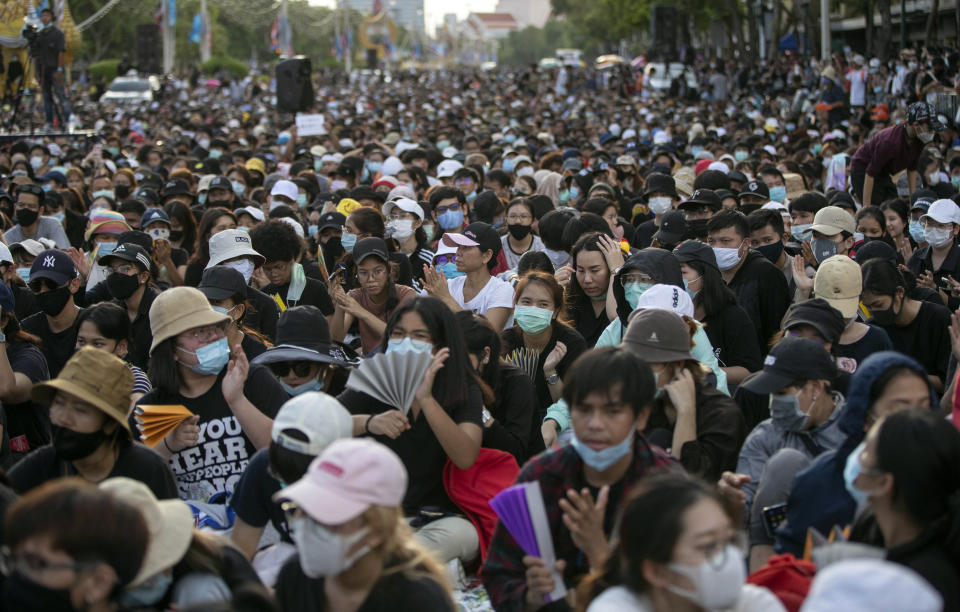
x,y
306,425
697,424
88,404
891,151
353,547
904,473
106,327
804,417
129,285
519,238
443,424
831,233
283,193
171,260
937,263
281,249
447,206
660,193
760,287
233,403
30,224
227,293
540,328
232,248
214,221
405,218
609,391
677,549
71,547
373,302
54,283
915,328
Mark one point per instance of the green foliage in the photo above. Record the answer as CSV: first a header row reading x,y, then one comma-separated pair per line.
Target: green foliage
x,y
105,68
236,68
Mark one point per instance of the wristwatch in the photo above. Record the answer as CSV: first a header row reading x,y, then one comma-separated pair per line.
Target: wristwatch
x,y
553,379
486,416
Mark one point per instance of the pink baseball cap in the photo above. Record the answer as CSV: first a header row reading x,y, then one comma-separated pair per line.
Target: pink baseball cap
x,y
347,478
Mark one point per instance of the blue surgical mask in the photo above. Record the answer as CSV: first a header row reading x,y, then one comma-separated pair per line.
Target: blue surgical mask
x,y
374,166
602,459
449,270
312,385
115,151
302,200
105,248
408,345
507,165
347,241
510,138
46,186
799,231
24,273
778,193
202,197
916,232
215,154
430,231
564,196
686,287
59,216
104,193
312,230
450,219
633,291
443,144
851,472
238,187
211,358
696,150
147,593
740,156
471,196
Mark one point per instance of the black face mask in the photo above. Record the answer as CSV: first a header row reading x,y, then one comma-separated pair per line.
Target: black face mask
x,y
52,302
697,228
519,231
71,445
26,217
21,593
176,236
122,286
122,191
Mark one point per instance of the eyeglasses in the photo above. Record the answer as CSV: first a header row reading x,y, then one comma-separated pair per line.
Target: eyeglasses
x,y
125,269
363,275
440,260
626,279
519,218
282,368
207,333
442,209
11,562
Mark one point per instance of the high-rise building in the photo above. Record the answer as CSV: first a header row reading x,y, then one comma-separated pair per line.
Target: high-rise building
x,y
406,13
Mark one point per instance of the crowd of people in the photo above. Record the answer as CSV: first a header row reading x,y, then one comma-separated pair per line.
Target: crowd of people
x,y
718,328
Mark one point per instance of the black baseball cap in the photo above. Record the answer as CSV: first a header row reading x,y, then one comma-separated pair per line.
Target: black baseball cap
x,y
694,250
220,182
703,197
673,228
146,195
660,182
477,234
153,215
221,282
818,314
53,265
792,359
370,246
331,219
176,187
128,251
756,188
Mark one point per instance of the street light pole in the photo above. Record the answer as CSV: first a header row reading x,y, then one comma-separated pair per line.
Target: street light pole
x,y
903,24
824,30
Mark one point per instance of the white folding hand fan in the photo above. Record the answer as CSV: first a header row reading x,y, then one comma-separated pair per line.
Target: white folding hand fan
x,y
392,378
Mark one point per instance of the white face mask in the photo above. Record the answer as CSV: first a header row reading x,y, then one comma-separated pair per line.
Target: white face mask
x,y
401,229
718,582
925,137
525,171
660,205
244,267
932,179
938,237
322,552
159,233
726,258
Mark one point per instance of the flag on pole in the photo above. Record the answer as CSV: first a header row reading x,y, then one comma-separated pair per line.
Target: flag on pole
x,y
196,32
172,13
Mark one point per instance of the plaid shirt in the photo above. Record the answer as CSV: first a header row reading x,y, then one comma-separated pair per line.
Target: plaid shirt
x,y
504,575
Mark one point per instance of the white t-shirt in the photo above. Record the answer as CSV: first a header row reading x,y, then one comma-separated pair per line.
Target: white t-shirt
x,y
495,294
858,87
621,599
513,258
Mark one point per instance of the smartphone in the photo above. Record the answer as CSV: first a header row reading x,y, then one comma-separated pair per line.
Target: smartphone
x,y
773,517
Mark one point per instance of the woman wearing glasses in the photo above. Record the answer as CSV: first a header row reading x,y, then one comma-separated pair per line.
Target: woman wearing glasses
x,y
233,403
373,301
519,238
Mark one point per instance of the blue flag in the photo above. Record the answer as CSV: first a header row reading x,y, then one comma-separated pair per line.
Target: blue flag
x,y
172,13
196,31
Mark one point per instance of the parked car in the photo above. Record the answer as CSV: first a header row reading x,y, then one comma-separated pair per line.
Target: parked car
x,y
131,90
661,78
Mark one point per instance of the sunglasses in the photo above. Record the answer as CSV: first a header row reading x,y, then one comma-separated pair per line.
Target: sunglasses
x,y
282,368
440,260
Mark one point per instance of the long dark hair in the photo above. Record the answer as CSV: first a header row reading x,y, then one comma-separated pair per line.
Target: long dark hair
x,y
650,525
451,382
576,298
714,294
182,213
479,334
922,451
201,251
164,372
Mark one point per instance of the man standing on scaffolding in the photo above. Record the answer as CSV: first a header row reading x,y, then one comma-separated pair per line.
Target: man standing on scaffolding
x,y
47,51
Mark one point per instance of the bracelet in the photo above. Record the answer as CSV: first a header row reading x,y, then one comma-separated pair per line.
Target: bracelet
x,y
366,426
172,452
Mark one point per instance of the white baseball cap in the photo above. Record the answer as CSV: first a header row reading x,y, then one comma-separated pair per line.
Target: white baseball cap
x,y
318,416
667,297
285,188
253,211
943,211
446,169
404,204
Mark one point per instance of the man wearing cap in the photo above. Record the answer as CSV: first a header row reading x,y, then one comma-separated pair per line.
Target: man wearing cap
x,y
283,193
660,193
698,209
753,195
305,426
171,260
937,265
891,151
220,193
831,234
804,417
128,283
232,248
179,190
477,291
54,282
30,224
91,438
